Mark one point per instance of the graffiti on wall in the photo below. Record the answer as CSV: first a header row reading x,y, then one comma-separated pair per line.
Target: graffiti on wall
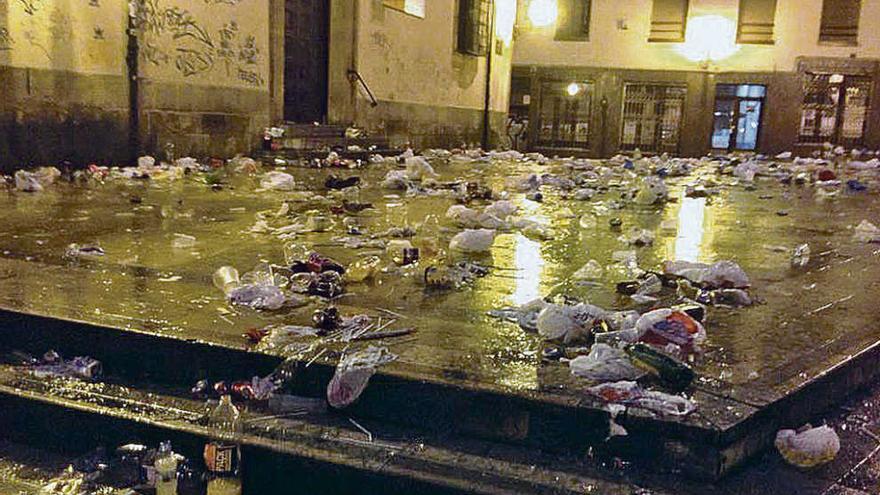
x,y
173,36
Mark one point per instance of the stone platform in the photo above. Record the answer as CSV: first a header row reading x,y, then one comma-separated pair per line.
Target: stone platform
x,y
150,313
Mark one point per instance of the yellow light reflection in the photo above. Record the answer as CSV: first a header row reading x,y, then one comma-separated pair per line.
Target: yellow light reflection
x,y
505,18
527,259
690,234
709,38
543,13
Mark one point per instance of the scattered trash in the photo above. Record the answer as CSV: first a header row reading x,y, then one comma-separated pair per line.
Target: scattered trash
x,y
52,364
866,232
473,241
83,251
278,181
800,257
605,364
353,374
630,394
808,447
723,274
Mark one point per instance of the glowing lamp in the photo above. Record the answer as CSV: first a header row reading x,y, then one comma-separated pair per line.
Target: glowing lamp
x,y
709,38
543,13
573,89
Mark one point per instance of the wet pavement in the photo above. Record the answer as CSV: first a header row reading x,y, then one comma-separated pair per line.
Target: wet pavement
x,y
754,354
806,322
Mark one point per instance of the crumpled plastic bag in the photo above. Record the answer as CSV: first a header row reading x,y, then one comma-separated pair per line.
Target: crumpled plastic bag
x,y
566,323
866,232
277,181
665,326
591,270
722,275
630,394
37,180
604,364
638,237
473,241
418,169
353,373
396,179
746,171
652,191
808,447
146,162
258,296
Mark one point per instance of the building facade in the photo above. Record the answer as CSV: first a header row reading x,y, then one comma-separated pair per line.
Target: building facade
x,y
105,80
692,76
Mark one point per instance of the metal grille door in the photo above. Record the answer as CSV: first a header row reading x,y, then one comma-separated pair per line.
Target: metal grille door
x,y
652,115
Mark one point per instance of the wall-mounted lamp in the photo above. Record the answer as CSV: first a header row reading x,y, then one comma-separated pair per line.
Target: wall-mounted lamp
x,y
543,13
573,89
709,38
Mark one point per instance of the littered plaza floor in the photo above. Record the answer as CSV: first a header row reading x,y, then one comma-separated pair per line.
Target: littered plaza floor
x,y
806,322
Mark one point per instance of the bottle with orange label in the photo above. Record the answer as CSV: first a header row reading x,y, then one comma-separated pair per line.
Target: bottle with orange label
x,y
223,454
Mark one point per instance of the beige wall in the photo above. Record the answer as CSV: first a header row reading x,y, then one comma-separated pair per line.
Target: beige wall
x,y
69,35
428,93
206,42
797,33
412,60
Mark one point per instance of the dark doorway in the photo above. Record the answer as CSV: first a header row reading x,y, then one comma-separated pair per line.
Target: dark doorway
x,y
737,118
306,41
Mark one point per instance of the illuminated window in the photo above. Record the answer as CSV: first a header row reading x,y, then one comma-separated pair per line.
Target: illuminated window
x,y
840,22
835,109
652,115
473,26
411,7
564,119
668,21
574,20
757,18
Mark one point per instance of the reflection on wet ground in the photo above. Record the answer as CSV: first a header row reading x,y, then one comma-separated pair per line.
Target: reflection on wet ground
x,y
807,320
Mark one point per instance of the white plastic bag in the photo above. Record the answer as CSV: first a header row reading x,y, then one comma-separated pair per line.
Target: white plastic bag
x,y
278,181
604,364
418,169
723,274
353,373
864,231
808,446
473,241
592,270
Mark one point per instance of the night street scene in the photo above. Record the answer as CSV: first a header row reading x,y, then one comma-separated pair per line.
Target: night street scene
x,y
446,247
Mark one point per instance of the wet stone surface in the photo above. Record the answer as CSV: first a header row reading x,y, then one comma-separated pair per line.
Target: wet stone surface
x,y
807,320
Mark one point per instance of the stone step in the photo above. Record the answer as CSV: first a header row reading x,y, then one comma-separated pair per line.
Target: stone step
x,y
702,446
325,452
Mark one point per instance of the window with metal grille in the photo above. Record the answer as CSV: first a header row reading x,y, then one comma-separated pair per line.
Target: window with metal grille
x,y
757,18
652,115
574,20
473,26
564,118
835,109
668,21
840,22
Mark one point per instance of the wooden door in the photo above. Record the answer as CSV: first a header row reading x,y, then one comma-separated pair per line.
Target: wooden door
x,y
306,41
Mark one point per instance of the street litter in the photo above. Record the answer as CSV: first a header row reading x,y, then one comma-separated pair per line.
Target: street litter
x,y
630,394
353,374
808,447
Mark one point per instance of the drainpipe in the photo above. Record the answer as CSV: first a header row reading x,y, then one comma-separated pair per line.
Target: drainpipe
x,y
487,107
354,63
134,128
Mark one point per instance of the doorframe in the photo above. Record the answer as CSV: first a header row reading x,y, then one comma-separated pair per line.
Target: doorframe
x,y
278,67
276,60
731,142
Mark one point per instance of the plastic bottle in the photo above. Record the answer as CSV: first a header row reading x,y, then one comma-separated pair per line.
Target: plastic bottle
x,y
223,456
165,466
